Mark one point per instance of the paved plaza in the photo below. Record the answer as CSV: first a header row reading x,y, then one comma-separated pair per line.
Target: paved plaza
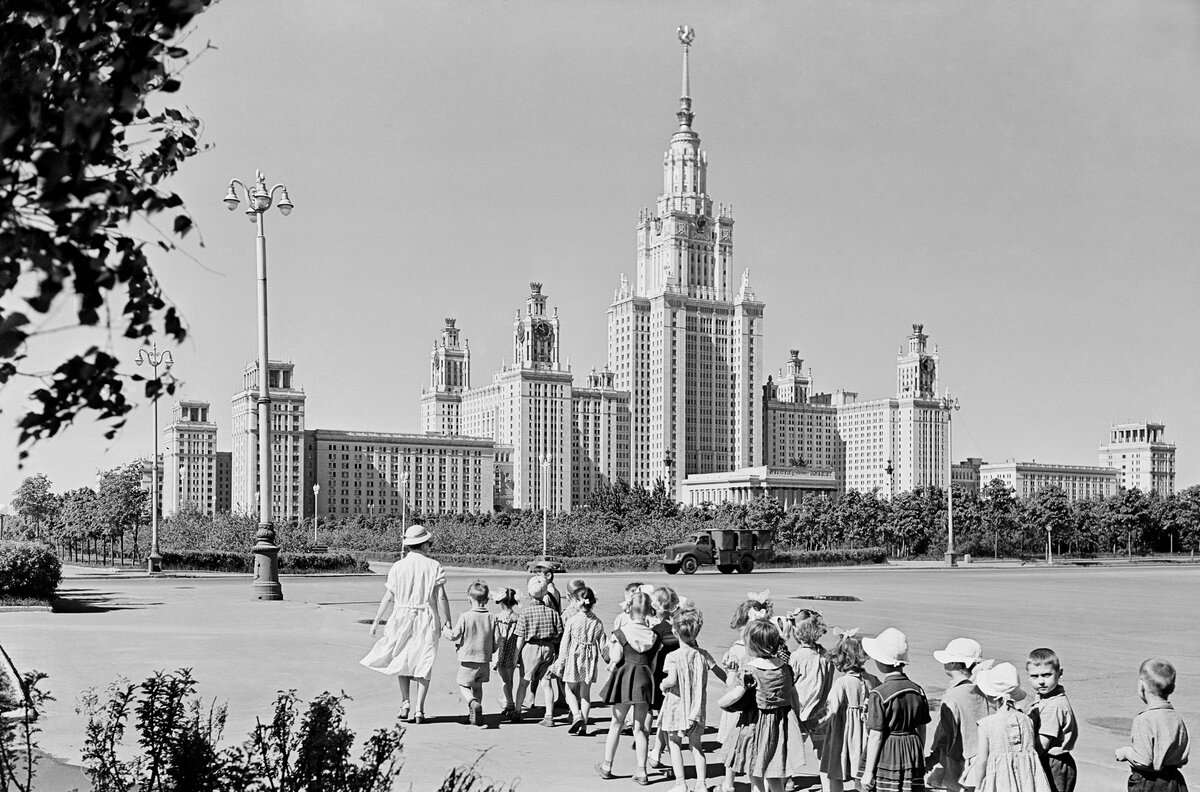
x,y
1102,621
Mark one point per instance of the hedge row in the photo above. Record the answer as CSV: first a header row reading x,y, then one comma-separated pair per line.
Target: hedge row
x,y
639,563
28,569
292,563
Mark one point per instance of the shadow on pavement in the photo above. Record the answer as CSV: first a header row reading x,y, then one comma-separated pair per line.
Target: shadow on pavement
x,y
1115,725
95,601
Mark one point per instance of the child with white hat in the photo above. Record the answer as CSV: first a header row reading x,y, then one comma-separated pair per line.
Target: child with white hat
x,y
897,712
1006,758
956,738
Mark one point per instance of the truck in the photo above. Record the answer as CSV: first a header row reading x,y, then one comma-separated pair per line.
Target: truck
x,y
731,549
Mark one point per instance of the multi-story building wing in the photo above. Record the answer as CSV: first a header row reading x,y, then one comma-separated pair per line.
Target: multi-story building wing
x,y
449,378
599,435
224,478
190,459
1079,482
382,473
686,338
799,427
287,442
1146,461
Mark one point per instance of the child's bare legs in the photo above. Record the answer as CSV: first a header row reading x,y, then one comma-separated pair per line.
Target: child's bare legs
x,y
584,695
766,784
619,711
572,691
548,696
468,693
695,741
676,751
729,777
506,675
641,714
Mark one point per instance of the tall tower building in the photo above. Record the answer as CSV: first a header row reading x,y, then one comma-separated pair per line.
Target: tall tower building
x,y
287,442
1145,459
686,338
190,459
449,377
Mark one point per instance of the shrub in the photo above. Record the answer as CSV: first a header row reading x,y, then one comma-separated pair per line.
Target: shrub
x,y
837,557
292,563
28,569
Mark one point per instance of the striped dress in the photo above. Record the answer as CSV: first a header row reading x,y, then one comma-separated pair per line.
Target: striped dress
x,y
898,709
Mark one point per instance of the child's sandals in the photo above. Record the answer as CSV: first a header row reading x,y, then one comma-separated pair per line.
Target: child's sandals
x,y
604,772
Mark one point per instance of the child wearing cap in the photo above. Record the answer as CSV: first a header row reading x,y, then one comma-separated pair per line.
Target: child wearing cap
x,y
1006,759
538,630
1159,737
897,712
1053,720
956,738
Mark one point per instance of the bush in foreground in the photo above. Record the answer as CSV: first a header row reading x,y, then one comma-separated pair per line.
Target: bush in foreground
x,y
28,569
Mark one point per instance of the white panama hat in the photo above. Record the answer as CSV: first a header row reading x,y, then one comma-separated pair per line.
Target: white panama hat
x,y
416,534
1000,681
961,650
890,647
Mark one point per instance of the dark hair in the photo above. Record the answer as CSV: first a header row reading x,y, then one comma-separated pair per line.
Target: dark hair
x,y
847,654
640,605
576,585
632,587
478,591
761,637
741,614
687,623
1045,657
509,597
586,598
1158,676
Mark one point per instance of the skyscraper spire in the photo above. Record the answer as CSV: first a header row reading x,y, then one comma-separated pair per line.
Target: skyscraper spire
x,y
685,115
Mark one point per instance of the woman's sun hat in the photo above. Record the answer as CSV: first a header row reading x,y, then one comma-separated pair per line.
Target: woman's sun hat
x,y
1000,681
416,535
890,647
961,650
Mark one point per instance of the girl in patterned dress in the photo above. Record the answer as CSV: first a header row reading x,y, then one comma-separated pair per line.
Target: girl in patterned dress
x,y
1007,755
897,712
765,748
505,641
579,654
630,685
756,606
685,690
845,714
571,605
666,603
814,676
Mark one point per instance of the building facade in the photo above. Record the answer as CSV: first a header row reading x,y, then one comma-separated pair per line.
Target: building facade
x,y
685,339
800,428
788,485
965,475
224,466
190,459
1079,482
287,443
1146,461
600,451
379,473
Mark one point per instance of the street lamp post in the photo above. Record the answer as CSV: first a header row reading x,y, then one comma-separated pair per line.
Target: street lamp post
x,y
316,509
154,359
3,514
890,470
183,491
404,501
1049,550
949,404
266,553
545,505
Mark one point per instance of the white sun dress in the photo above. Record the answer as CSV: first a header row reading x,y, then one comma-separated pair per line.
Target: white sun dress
x,y
410,639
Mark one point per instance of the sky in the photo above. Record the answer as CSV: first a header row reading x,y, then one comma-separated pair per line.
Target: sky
x,y
1019,177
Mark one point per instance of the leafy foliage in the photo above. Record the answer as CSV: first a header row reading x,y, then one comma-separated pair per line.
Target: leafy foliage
x,y
18,730
28,569
82,156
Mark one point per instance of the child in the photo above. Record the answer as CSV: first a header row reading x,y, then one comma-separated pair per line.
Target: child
x,y
571,605
1159,737
474,634
623,617
1006,760
685,687
630,684
538,630
813,673
666,603
1053,720
506,645
897,712
845,734
956,738
579,654
731,663
762,748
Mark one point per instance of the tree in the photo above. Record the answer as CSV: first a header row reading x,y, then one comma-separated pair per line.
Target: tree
x,y
1049,511
78,521
122,503
82,157
998,514
35,502
1186,518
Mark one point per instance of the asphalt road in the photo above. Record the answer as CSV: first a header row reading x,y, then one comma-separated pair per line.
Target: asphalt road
x,y
1102,621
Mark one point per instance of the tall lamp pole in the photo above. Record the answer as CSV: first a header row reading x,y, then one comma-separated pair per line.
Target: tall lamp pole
x,y
404,501
891,471
266,553
3,514
949,404
154,359
316,509
545,505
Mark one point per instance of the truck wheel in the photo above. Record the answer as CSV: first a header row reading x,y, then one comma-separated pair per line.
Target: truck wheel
x,y
726,569
746,565
688,565
671,568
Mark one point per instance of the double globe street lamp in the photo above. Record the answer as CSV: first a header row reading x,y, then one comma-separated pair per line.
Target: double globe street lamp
x,y
154,359
266,552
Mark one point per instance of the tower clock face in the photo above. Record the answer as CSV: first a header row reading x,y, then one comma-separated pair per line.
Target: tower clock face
x,y
928,365
542,330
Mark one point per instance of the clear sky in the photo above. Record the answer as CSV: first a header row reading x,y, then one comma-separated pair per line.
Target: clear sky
x,y
1021,177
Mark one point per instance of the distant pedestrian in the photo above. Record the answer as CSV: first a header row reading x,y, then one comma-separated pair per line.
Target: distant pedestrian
x,y
474,634
897,712
1053,720
1006,759
416,592
1159,739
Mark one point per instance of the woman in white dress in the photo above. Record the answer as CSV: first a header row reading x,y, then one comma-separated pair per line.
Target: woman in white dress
x,y
416,590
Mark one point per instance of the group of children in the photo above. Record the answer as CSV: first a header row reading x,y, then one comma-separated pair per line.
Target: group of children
x,y
784,703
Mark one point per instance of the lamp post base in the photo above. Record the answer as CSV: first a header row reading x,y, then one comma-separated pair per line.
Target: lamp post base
x,y
154,563
951,558
266,573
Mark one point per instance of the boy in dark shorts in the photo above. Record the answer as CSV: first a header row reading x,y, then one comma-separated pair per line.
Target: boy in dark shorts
x,y
1053,719
1159,737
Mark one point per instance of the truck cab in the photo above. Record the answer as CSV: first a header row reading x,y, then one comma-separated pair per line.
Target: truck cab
x,y
730,549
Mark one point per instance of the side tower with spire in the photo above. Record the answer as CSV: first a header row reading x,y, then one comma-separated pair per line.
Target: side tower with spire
x,y
686,337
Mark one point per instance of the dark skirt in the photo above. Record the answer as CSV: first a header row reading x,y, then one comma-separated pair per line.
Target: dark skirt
x,y
630,683
901,766
764,745
1165,780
